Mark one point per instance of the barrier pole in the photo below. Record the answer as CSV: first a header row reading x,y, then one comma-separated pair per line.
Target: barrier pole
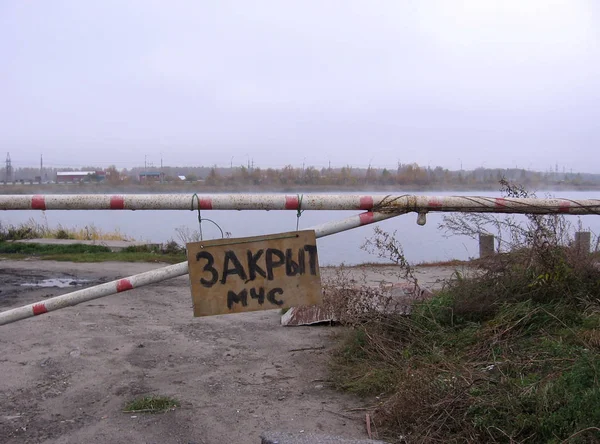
x,y
161,274
376,203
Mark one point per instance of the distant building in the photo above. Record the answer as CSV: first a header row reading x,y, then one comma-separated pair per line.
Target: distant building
x,y
80,176
149,176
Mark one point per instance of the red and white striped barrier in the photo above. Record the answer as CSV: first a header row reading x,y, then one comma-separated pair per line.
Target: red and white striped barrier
x,y
161,274
380,207
88,294
378,203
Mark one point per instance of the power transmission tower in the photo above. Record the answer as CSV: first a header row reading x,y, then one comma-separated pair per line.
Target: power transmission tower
x,y
8,177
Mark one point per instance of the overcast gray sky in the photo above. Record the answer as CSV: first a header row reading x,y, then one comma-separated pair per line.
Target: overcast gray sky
x,y
437,82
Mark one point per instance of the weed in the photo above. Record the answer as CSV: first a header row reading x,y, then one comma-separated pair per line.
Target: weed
x,y
151,404
152,248
187,235
509,353
61,233
33,229
172,247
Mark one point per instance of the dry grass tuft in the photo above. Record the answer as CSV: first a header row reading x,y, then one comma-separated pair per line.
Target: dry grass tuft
x,y
33,229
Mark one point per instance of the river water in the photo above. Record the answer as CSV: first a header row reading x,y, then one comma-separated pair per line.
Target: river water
x,y
420,243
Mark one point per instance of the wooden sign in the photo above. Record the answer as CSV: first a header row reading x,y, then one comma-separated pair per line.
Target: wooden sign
x,y
254,273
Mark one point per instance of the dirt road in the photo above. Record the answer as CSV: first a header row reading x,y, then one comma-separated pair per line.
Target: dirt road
x,y
66,375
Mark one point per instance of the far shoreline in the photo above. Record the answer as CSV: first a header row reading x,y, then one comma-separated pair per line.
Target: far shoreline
x,y
201,188
98,251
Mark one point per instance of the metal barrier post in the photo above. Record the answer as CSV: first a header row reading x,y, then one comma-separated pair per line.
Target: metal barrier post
x,y
486,245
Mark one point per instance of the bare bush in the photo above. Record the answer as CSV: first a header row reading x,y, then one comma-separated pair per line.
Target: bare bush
x,y
187,235
509,354
354,303
535,232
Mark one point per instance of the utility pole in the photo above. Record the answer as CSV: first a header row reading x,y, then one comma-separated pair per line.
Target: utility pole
x,y
368,176
8,177
41,165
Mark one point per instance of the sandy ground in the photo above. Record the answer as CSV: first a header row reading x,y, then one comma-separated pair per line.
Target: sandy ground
x,y
66,375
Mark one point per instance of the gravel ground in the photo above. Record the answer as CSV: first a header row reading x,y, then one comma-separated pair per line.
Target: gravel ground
x,y
66,375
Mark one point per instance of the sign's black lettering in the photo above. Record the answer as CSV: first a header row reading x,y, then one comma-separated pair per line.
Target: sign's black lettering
x,y
271,296
301,261
237,298
210,261
237,267
253,267
312,258
292,268
271,264
260,295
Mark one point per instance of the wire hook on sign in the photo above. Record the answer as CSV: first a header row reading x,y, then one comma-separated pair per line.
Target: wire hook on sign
x,y
201,219
299,211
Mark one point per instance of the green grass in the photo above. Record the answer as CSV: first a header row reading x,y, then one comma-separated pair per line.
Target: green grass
x,y
45,249
528,371
88,253
151,404
508,357
507,354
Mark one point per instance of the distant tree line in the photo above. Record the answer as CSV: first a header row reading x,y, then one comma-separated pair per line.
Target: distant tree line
x,y
409,174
